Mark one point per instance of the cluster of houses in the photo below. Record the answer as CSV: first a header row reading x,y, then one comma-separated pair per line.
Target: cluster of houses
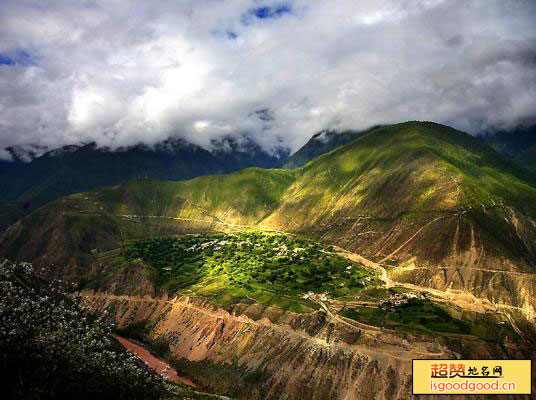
x,y
202,246
315,297
399,299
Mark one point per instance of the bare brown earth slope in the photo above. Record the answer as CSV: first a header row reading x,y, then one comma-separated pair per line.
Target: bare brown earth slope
x,y
429,205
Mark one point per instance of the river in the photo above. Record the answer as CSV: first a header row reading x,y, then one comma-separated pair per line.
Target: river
x,y
160,366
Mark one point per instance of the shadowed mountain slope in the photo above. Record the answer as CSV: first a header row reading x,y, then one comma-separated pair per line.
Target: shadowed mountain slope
x,y
72,169
320,143
519,144
528,158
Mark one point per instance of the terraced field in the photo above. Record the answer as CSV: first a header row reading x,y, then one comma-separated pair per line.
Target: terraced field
x,y
265,266
297,274
428,317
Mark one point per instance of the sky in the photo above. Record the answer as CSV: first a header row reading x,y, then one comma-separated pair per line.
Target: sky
x,y
121,72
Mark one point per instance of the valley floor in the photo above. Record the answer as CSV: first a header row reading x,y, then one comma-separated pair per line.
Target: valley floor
x,y
272,339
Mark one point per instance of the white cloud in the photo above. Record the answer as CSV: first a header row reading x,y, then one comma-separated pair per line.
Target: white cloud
x,y
122,72
5,155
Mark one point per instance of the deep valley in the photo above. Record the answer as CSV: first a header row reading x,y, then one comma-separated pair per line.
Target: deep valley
x,y
324,281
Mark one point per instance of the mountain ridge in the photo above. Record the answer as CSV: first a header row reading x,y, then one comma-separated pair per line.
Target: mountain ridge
x,y
77,168
323,142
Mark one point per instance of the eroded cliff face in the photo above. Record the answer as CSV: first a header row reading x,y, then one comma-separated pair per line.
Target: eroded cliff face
x,y
299,357
490,253
290,356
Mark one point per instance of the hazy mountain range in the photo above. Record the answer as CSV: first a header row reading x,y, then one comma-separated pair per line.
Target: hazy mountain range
x,y
30,181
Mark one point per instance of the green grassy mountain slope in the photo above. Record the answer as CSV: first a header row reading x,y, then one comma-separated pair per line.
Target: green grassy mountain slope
x,y
73,169
402,170
67,232
439,207
433,205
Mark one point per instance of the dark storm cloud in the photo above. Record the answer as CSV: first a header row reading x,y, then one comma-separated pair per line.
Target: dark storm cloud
x,y
122,72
